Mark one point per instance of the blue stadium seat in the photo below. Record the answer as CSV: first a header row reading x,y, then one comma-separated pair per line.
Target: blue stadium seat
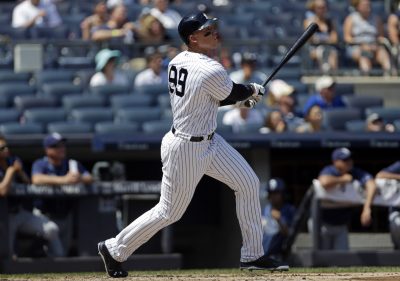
x,y
110,90
388,114
83,101
9,115
140,114
131,100
152,90
91,115
3,102
116,128
44,115
27,102
336,118
362,102
11,90
75,63
53,76
396,124
69,128
164,101
83,77
248,128
7,76
14,33
356,126
344,89
222,129
60,89
20,129
59,32
157,126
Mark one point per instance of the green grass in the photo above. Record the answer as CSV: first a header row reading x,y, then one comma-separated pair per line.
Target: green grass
x,y
199,272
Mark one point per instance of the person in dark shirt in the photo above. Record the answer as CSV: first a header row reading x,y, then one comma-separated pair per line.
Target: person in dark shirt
x,y
22,218
56,169
392,174
334,221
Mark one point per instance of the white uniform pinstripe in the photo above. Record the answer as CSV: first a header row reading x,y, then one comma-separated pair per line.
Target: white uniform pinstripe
x,y
195,101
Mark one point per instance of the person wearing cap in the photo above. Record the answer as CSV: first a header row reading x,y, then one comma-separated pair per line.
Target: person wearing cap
x,y
390,177
375,123
55,169
325,96
106,69
21,215
198,85
154,74
334,221
277,217
248,72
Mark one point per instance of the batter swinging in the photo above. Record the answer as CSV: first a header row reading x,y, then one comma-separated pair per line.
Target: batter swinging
x,y
198,85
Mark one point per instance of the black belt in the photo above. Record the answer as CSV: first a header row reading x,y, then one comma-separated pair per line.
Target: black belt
x,y
196,139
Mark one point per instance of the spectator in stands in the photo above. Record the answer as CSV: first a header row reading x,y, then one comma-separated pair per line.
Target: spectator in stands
x,y
239,117
117,27
106,69
28,14
281,95
274,123
334,221
391,178
99,18
111,4
154,74
323,49
55,169
313,120
248,72
364,35
52,17
151,31
21,217
393,29
375,123
277,218
326,96
168,17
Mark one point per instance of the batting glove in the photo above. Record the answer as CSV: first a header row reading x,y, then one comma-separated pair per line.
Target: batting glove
x,y
258,90
249,102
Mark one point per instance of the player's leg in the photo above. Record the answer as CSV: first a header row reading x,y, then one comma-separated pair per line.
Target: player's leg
x,y
231,168
182,170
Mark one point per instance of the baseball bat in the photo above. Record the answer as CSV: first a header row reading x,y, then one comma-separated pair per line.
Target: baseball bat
x,y
310,30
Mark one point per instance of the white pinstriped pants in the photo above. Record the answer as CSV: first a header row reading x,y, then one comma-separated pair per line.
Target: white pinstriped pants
x,y
184,164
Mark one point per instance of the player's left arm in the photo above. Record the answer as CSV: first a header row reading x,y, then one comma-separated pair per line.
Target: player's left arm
x,y
241,93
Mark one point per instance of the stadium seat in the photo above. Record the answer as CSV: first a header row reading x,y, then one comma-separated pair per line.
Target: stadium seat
x,y
19,129
355,126
60,89
9,115
336,118
83,101
396,124
91,115
83,77
53,76
3,102
11,90
388,114
164,101
27,102
344,89
157,126
222,129
247,128
152,90
140,114
116,128
59,32
131,100
75,63
44,115
110,90
362,102
69,128
14,33
7,76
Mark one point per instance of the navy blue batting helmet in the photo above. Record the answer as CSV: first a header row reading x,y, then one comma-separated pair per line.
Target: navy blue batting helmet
x,y
193,22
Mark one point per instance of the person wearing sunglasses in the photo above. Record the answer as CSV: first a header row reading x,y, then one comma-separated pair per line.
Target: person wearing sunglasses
x,y
21,215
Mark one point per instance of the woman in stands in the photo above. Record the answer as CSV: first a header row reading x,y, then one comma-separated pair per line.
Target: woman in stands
x,y
364,36
99,18
393,28
313,120
323,49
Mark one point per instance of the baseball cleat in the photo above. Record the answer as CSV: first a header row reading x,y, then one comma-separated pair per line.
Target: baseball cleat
x,y
265,263
113,267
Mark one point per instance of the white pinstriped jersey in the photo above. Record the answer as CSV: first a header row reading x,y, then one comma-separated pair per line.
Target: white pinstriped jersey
x,y
196,85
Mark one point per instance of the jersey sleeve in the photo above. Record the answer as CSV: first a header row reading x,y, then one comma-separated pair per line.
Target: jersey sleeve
x,y
217,82
38,167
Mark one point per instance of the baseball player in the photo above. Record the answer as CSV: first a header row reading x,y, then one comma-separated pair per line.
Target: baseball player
x,y
198,85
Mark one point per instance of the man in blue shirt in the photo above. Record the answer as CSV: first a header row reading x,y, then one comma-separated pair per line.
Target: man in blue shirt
x,y
334,221
392,173
56,169
325,97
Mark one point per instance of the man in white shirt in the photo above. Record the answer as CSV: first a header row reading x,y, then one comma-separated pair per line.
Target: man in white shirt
x,y
154,74
168,17
28,14
238,117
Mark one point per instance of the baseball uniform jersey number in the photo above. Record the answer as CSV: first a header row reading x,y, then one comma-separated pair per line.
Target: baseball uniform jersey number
x,y
177,80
